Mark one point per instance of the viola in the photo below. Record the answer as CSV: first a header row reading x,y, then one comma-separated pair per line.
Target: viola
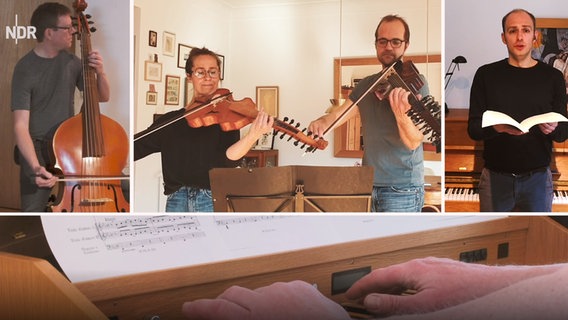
x,y
90,149
230,115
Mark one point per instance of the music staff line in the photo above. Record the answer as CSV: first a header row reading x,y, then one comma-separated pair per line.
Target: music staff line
x,y
147,231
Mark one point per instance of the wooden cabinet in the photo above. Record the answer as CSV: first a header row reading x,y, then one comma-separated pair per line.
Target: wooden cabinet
x,y
260,158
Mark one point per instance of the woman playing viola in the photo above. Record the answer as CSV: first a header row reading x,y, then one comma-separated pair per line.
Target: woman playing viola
x,y
188,153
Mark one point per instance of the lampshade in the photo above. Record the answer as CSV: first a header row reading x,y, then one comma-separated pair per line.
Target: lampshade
x,y
459,59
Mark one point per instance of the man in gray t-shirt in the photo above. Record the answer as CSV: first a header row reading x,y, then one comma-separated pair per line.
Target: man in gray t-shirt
x,y
43,87
393,144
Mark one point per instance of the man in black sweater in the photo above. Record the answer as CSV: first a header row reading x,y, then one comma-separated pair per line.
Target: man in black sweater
x,y
516,175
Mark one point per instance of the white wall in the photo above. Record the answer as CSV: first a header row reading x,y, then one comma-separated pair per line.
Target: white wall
x,y
290,46
473,30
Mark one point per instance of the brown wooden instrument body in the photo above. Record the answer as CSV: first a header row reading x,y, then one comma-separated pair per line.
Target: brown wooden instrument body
x,y
234,115
222,114
91,196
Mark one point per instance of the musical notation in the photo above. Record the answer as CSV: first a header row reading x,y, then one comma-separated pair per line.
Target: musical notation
x,y
124,233
226,222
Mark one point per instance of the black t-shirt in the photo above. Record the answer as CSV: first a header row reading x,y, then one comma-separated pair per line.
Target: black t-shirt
x,y
187,153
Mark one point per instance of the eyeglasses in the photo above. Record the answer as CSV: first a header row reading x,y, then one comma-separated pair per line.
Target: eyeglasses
x,y
200,73
63,28
395,43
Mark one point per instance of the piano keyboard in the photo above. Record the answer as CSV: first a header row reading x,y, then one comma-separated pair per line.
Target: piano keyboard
x,y
472,194
462,194
560,197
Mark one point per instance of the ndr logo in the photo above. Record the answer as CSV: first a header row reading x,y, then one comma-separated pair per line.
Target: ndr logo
x,y
17,32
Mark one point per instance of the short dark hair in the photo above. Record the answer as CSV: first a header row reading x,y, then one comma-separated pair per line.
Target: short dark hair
x,y
515,11
391,18
46,16
195,52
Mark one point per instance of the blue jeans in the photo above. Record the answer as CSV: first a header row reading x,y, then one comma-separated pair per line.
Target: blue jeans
x,y
398,199
189,199
500,192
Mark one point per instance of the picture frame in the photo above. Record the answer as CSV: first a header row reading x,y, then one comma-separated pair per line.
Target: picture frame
x,y
183,54
169,44
267,99
265,142
152,71
551,44
355,81
151,97
152,38
222,65
188,93
172,90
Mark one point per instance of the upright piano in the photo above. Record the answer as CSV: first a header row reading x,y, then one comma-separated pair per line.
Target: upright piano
x,y
464,162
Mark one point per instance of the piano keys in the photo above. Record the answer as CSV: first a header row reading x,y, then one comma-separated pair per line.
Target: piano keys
x,y
462,194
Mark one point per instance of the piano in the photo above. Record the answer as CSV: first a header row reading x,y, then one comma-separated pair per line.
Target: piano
x,y
464,162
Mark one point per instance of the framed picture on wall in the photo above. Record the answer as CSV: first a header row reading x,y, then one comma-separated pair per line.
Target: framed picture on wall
x,y
169,44
188,95
222,71
152,71
183,54
172,90
153,38
551,45
267,99
151,97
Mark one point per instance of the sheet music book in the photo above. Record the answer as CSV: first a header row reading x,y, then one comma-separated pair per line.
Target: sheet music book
x,y
491,118
98,247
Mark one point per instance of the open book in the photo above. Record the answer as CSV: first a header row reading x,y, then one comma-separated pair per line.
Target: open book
x,y
491,118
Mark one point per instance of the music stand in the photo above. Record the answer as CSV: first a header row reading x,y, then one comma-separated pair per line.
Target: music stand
x,y
292,189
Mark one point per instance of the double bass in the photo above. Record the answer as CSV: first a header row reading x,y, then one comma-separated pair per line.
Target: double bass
x,y
90,149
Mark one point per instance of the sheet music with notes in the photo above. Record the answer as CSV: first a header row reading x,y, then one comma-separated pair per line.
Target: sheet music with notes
x,y
98,247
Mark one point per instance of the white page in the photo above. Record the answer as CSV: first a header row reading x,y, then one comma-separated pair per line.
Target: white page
x,y
491,118
543,118
97,247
